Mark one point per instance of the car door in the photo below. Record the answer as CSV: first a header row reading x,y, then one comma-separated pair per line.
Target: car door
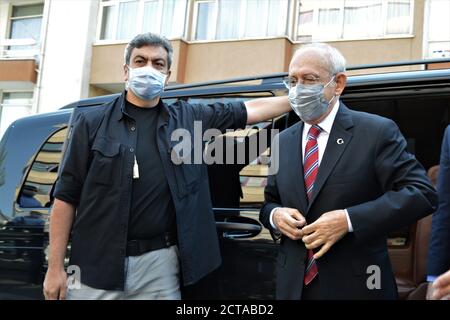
x,y
237,192
23,237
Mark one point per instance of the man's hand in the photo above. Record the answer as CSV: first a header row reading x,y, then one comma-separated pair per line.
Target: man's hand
x,y
55,284
442,287
430,291
325,231
289,221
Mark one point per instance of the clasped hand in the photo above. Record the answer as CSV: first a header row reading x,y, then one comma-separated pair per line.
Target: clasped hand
x,y
324,232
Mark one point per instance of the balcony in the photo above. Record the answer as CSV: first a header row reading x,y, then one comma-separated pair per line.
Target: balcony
x,y
18,63
19,49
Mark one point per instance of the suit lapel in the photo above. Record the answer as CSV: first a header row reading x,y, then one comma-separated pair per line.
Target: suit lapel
x,y
338,141
295,162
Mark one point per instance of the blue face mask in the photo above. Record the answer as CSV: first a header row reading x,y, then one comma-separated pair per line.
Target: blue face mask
x,y
308,101
145,82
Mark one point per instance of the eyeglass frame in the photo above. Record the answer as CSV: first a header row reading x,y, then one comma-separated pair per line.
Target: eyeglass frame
x,y
316,80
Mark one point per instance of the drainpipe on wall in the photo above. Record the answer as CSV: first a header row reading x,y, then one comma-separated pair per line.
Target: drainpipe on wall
x,y
40,69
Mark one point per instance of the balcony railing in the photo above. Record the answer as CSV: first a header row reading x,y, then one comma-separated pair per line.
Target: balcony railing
x,y
19,49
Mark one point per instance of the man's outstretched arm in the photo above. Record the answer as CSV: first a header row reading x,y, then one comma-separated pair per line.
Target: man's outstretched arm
x,y
266,108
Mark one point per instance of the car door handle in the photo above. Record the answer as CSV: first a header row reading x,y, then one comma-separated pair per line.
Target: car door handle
x,y
233,230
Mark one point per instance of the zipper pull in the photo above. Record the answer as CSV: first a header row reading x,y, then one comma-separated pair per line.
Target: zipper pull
x,y
135,169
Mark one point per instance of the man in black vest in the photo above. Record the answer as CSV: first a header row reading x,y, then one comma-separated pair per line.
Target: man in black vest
x,y
142,221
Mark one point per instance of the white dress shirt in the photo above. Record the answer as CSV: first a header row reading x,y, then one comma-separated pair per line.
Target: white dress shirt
x,y
326,125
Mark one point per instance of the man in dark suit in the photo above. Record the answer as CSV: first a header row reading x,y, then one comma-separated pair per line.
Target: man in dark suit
x,y
439,252
344,181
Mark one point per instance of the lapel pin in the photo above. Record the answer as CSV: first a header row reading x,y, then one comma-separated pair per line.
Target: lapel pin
x,y
340,141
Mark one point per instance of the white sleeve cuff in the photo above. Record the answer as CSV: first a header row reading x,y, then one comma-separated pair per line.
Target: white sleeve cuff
x,y
349,222
271,218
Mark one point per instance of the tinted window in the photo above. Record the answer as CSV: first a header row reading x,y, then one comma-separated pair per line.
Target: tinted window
x,y
36,191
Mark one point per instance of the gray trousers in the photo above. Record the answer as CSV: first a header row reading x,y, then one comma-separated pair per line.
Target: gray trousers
x,y
151,276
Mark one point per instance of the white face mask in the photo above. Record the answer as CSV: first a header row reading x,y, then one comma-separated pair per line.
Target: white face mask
x,y
308,101
145,82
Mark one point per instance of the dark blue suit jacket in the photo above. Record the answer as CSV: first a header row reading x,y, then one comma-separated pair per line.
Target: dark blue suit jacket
x,y
439,253
371,174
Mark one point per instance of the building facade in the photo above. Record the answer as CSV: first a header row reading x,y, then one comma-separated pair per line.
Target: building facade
x,y
53,52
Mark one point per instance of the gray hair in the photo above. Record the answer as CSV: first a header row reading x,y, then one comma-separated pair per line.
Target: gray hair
x,y
335,59
149,39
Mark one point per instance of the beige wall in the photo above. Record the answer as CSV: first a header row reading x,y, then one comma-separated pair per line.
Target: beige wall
x,y
198,62
178,68
108,60
376,51
229,59
195,62
107,64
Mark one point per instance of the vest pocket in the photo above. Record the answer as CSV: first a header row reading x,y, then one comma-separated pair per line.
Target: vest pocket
x,y
106,162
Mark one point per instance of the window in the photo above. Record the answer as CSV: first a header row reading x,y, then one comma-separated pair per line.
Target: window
x,y
329,20
124,19
398,17
238,19
206,17
26,24
438,29
14,105
36,191
128,12
362,19
175,9
228,19
353,19
266,18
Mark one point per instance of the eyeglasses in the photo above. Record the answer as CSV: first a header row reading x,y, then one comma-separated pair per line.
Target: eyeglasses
x,y
291,82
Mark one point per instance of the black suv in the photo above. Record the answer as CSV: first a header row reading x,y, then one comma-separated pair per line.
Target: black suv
x,y
32,148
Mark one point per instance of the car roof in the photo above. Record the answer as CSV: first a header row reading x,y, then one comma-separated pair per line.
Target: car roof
x,y
273,81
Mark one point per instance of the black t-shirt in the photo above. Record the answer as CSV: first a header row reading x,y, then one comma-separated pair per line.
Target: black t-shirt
x,y
152,209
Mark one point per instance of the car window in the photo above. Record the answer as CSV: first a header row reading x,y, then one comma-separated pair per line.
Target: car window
x,y
37,188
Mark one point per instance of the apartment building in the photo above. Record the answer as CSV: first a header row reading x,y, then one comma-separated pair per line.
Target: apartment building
x,y
53,52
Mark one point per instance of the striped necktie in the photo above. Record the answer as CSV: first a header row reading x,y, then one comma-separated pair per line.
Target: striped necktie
x,y
310,169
